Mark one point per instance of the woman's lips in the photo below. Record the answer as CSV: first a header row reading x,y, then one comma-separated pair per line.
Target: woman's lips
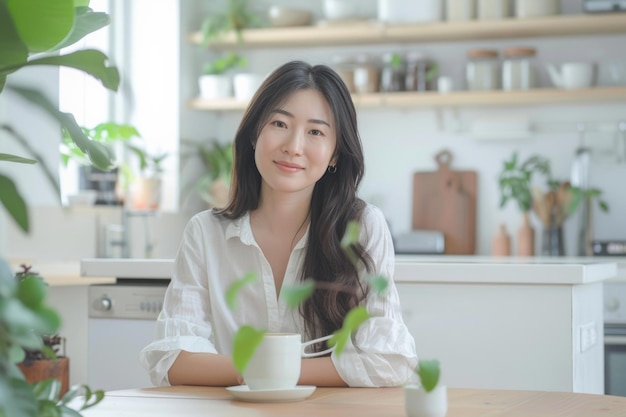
x,y
288,166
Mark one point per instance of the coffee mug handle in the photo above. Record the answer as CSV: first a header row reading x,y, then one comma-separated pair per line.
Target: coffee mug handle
x,y
312,342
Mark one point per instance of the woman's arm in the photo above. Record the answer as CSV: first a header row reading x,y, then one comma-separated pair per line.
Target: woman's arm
x,y
320,372
210,369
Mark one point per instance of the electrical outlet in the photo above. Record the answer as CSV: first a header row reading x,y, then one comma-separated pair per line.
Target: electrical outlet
x,y
588,336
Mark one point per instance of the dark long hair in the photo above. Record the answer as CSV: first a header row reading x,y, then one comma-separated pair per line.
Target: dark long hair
x,y
334,202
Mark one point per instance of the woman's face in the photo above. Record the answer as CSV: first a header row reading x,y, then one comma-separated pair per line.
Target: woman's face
x,y
296,145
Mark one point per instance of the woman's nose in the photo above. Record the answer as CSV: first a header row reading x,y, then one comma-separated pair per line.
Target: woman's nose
x,y
294,143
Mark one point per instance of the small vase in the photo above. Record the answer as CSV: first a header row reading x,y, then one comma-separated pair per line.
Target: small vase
x,y
501,243
419,403
525,237
552,241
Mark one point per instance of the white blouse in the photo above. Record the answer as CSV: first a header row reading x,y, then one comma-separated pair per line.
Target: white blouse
x,y
215,252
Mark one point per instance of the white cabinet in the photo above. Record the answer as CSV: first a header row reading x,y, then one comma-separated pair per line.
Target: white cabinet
x,y
509,336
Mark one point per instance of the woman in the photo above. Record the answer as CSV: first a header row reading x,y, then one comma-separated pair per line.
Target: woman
x,y
297,164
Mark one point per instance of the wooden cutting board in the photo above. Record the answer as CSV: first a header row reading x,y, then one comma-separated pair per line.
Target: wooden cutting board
x,y
445,200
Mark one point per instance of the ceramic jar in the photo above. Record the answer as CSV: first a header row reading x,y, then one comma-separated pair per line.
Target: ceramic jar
x,y
482,71
518,69
493,9
536,8
366,75
402,11
460,10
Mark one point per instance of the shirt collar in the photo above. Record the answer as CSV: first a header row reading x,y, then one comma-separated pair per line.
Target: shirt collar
x,y
241,228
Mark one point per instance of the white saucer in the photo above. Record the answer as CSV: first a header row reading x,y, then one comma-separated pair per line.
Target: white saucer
x,y
298,393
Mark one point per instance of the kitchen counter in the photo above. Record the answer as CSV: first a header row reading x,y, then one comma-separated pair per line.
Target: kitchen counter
x,y
60,273
459,269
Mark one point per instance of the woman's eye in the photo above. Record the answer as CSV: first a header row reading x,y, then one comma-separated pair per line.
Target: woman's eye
x,y
278,123
316,132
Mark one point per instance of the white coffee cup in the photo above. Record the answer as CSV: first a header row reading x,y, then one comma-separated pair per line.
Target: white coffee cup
x,y
276,361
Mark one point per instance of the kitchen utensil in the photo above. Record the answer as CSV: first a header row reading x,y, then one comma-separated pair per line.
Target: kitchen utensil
x,y
445,200
572,75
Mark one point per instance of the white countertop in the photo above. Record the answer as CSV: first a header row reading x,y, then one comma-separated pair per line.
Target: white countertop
x,y
419,268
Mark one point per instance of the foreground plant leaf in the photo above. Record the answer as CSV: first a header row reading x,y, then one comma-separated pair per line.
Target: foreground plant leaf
x,y
233,291
247,339
378,283
295,295
14,203
428,372
353,320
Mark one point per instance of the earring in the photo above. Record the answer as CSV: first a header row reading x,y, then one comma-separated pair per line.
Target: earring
x,y
332,168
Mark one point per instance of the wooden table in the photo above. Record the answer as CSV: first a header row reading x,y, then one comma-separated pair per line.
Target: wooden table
x,y
353,402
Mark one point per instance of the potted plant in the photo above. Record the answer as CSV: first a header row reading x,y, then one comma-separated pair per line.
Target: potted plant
x,y
515,184
429,398
45,362
145,188
27,27
215,82
108,184
213,186
236,17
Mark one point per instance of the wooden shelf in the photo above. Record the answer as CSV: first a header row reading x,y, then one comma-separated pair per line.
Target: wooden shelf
x,y
542,96
376,33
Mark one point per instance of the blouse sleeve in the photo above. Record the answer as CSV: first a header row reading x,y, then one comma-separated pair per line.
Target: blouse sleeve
x,y
382,351
184,322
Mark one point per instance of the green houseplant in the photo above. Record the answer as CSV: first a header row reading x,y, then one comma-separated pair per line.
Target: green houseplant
x,y
42,27
215,80
213,185
236,16
515,183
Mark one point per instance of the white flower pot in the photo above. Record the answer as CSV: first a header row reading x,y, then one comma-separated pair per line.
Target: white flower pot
x,y
146,193
419,403
214,86
245,85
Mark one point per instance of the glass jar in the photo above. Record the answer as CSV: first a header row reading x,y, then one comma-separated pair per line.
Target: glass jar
x,y
518,69
460,10
392,73
421,73
344,66
536,8
482,71
493,9
366,75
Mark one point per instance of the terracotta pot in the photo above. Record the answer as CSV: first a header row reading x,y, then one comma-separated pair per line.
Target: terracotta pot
x,y
43,369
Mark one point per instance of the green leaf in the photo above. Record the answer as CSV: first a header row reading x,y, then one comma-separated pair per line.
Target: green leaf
x,y
22,400
17,159
351,236
235,287
86,22
14,203
246,341
31,291
295,295
42,24
91,61
352,321
13,51
378,283
428,372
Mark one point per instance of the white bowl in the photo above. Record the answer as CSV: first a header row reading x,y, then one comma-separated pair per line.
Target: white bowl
x,y
285,16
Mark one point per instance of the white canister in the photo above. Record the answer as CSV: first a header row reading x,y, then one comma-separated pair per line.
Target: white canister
x,y
536,8
482,71
460,10
341,9
402,11
518,69
493,9
246,84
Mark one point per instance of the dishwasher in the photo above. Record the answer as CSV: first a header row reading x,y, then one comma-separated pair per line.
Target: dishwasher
x,y
122,319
